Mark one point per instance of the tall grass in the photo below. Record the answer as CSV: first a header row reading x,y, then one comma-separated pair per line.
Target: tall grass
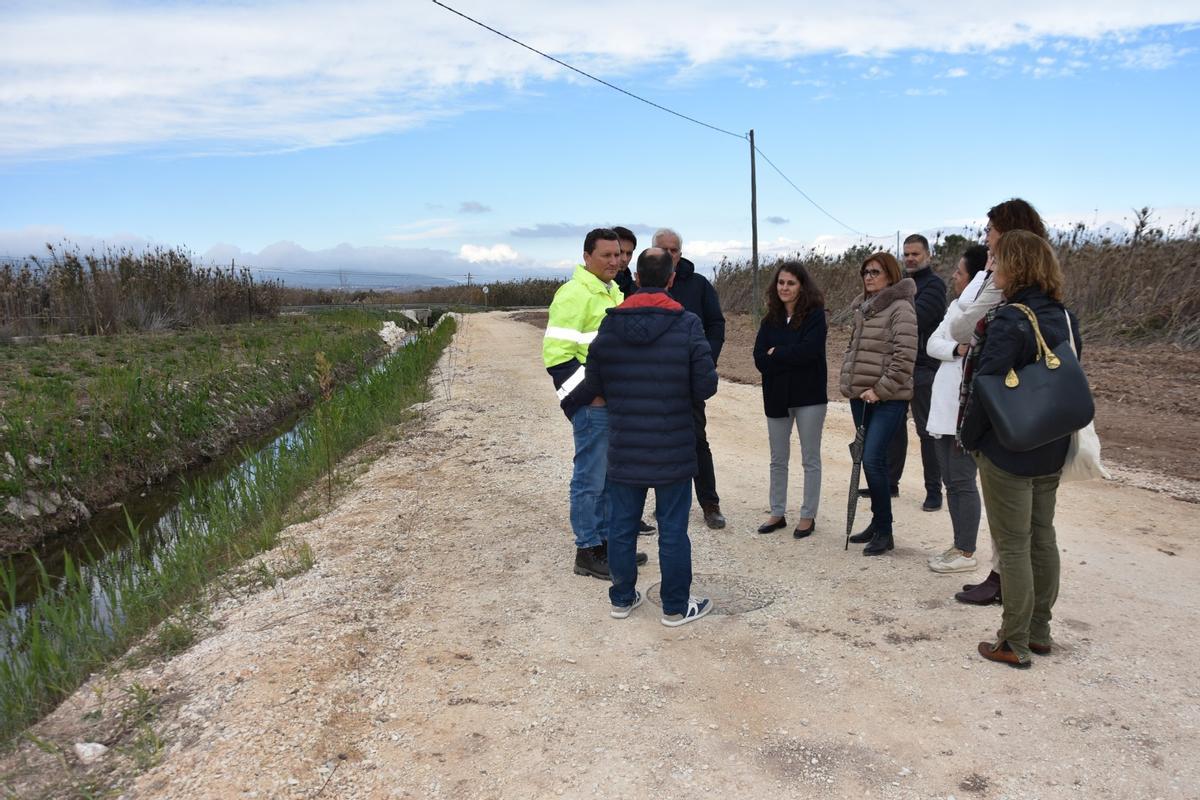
x,y
85,618
1141,285
68,291
101,414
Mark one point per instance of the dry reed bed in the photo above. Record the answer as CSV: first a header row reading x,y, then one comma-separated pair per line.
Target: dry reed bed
x,y
70,292
1140,286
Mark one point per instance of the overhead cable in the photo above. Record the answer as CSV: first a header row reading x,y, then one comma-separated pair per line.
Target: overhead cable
x,y
589,75
814,203
603,82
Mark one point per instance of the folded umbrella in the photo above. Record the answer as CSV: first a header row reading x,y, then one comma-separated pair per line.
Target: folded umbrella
x,y
856,455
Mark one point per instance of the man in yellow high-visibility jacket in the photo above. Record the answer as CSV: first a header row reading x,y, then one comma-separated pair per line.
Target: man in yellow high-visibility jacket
x,y
578,308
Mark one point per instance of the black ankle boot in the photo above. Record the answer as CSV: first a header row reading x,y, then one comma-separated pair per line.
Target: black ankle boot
x,y
880,543
592,561
864,537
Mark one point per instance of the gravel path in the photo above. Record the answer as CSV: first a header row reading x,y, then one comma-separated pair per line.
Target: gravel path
x,y
441,646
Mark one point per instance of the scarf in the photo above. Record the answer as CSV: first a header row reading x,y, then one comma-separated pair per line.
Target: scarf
x,y
966,390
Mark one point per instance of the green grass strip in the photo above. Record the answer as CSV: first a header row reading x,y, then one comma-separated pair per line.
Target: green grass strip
x,y
72,629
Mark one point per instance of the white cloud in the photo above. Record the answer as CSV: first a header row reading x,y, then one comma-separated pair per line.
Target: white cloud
x,y
956,72
284,74
1152,56
477,253
924,92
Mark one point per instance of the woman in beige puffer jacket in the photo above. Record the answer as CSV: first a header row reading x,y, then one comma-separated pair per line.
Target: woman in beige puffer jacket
x,y
877,377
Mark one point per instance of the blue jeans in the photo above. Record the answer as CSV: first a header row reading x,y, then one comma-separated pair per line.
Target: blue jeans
x,y
881,420
673,503
589,504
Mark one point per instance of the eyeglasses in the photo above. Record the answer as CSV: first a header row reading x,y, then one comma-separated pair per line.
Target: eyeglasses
x,y
874,273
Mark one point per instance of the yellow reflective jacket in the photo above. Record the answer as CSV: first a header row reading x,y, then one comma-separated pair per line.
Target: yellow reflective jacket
x,y
578,309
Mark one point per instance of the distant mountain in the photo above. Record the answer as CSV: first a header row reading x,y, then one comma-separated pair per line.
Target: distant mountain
x,y
354,279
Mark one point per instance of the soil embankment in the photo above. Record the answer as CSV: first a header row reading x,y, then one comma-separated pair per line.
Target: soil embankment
x,y
441,646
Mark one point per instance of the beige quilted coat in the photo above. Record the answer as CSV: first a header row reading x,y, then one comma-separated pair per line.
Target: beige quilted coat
x,y
883,345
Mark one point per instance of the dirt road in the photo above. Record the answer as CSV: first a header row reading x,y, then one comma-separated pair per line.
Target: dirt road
x,y
441,646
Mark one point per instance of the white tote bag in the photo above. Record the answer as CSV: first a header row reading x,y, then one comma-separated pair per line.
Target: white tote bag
x,y
1083,456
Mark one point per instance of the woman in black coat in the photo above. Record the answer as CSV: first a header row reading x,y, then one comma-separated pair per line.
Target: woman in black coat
x,y
1019,488
790,354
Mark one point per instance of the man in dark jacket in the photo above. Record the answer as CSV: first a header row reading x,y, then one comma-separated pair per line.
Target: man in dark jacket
x,y
651,362
693,291
930,303
628,244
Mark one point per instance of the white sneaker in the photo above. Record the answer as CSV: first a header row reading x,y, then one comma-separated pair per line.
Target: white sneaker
x,y
697,607
944,554
953,561
621,612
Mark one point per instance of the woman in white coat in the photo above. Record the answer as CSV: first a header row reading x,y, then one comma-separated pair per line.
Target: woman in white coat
x,y
957,467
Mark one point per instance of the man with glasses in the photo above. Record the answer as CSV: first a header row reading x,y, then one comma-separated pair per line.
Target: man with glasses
x,y
693,291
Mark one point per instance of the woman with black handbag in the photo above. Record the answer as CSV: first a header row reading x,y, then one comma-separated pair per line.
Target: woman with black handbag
x,y
1020,481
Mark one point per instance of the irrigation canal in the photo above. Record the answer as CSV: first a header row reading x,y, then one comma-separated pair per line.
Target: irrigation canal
x,y
146,521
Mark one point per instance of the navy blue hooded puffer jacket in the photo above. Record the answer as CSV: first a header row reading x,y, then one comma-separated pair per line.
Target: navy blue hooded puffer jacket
x,y
651,362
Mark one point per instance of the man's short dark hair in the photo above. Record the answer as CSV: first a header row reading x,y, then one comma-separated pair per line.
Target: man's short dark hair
x,y
654,269
917,238
976,257
625,235
595,235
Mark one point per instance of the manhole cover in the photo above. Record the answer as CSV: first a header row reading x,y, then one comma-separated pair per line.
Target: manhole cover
x,y
731,594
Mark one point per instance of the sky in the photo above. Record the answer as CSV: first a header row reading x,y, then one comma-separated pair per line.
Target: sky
x,y
378,138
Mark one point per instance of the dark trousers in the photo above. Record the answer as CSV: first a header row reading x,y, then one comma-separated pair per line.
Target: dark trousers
x,y
879,419
706,476
898,447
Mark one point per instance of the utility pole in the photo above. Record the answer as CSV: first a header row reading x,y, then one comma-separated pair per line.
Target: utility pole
x,y
756,300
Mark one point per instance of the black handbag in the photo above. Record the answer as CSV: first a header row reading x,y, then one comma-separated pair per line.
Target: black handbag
x,y
1043,401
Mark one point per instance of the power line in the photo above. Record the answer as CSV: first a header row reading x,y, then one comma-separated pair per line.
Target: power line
x,y
589,75
815,204
603,82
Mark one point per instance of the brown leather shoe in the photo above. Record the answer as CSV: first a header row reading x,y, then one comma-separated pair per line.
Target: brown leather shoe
x,y
1037,648
1003,654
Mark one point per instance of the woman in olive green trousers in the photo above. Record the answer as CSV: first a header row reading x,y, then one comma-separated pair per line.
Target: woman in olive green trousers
x,y
1019,488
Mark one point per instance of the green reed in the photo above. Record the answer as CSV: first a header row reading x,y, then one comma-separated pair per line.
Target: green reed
x,y
90,615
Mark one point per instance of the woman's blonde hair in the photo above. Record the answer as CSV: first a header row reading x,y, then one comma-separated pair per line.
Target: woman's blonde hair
x,y
1028,260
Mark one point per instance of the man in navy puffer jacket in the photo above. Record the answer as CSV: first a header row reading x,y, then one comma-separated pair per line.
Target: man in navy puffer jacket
x,y
651,362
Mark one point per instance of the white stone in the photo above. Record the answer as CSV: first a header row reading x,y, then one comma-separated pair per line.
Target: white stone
x,y
21,510
89,752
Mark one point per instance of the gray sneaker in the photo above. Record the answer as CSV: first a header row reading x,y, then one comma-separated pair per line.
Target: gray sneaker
x,y
621,612
950,551
697,607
